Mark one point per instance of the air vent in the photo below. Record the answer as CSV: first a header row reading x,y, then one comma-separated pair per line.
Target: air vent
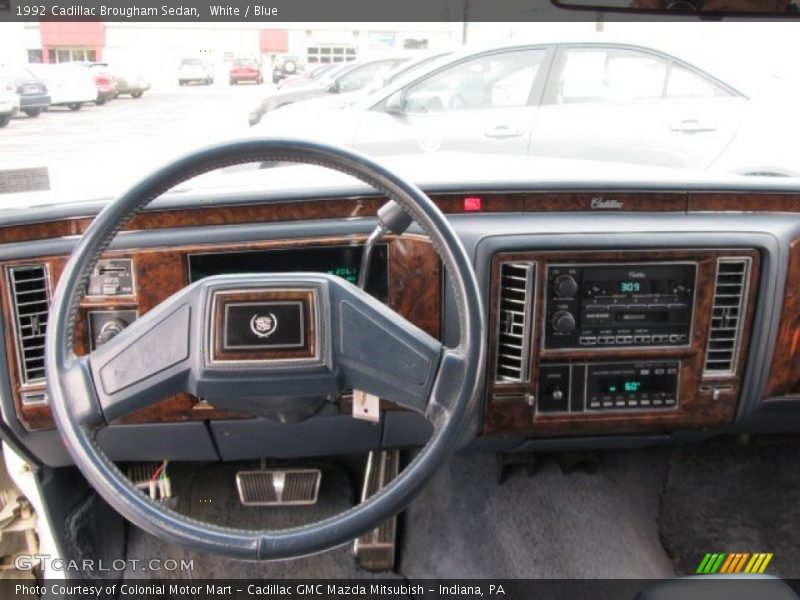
x,y
727,319
514,321
30,298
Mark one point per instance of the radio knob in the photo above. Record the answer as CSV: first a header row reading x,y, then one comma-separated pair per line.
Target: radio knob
x,y
563,321
556,393
565,286
109,330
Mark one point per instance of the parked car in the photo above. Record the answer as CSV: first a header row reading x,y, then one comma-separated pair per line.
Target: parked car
x,y
576,101
285,66
314,73
104,81
9,100
195,70
345,99
245,69
349,77
69,84
130,82
33,96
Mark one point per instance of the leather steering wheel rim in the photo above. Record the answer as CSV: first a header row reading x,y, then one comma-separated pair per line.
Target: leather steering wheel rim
x,y
456,392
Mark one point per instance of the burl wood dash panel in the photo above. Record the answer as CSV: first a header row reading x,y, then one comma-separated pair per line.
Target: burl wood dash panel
x,y
414,291
784,377
510,411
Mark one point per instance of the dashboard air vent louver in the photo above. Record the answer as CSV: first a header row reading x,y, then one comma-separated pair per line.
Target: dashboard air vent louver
x,y
30,300
514,321
727,319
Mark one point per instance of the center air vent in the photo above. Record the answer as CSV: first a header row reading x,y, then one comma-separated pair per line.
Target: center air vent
x,y
514,321
30,301
727,319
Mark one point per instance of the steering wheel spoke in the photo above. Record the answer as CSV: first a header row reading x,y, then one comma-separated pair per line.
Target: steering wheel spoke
x,y
149,361
382,353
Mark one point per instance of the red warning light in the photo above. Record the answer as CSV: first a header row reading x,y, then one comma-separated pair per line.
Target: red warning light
x,y
472,203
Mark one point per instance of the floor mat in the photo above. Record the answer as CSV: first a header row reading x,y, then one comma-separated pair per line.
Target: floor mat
x,y
209,494
548,525
722,496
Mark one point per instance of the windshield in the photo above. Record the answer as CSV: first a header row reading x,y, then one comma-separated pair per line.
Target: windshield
x,y
696,100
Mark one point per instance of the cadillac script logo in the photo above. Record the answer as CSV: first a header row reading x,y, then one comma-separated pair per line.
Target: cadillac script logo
x,y
600,203
263,325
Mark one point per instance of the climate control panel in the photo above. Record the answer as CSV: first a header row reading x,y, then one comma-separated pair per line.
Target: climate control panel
x,y
635,304
606,386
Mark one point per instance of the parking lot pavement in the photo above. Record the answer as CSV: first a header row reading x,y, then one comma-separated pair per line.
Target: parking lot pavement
x,y
100,149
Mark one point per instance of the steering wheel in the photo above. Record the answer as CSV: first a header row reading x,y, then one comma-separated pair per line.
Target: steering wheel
x,y
270,340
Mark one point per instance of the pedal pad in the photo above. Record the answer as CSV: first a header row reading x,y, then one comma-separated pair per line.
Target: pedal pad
x,y
375,551
278,487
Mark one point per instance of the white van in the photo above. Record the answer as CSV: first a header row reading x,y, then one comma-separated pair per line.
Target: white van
x,y
70,84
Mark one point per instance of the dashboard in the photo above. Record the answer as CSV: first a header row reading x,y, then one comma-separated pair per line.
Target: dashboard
x,y
615,315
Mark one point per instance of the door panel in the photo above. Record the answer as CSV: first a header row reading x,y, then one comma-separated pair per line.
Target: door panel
x,y
479,105
629,106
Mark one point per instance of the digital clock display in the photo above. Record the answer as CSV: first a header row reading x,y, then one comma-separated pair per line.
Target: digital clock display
x,y
630,287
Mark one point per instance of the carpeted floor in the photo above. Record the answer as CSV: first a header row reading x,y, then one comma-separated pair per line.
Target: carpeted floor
x,y
646,513
726,497
548,525
209,494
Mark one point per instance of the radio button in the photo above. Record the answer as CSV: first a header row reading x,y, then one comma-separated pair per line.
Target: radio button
x,y
588,340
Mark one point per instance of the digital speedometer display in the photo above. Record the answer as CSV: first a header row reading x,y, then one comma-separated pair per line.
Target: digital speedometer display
x,y
342,261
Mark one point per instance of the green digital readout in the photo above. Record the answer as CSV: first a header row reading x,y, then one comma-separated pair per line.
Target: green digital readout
x,y
628,386
628,287
348,273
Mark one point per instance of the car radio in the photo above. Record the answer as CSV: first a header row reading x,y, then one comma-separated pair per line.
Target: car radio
x,y
619,305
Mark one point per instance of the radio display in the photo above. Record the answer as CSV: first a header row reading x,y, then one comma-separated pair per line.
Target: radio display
x,y
342,261
630,287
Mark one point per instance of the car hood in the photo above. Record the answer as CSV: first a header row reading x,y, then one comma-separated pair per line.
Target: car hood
x,y
324,103
324,124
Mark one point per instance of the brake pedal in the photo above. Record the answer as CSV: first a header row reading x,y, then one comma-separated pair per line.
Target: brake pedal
x,y
278,487
375,551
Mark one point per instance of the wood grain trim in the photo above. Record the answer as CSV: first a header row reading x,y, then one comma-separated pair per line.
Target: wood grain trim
x,y
784,376
508,412
268,212
414,292
743,202
309,311
596,201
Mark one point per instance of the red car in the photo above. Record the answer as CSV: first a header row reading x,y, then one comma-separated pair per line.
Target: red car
x,y
245,69
105,83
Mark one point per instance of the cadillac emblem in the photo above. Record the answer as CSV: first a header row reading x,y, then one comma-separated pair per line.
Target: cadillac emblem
x,y
263,325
